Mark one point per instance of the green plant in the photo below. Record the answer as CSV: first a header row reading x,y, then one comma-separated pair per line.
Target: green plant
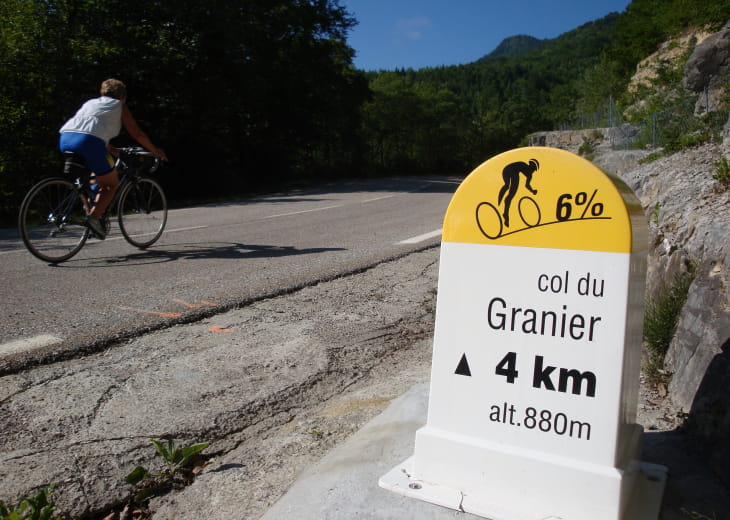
x,y
651,158
722,175
655,214
35,507
660,322
683,130
587,149
175,459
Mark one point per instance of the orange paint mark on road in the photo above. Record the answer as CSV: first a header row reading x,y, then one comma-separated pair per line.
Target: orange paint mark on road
x,y
194,305
163,314
218,328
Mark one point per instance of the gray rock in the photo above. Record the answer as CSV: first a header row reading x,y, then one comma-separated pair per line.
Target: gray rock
x,y
709,61
689,221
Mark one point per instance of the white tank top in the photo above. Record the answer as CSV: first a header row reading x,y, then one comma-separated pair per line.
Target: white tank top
x,y
100,117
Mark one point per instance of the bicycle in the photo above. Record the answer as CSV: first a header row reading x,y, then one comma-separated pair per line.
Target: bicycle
x,y
52,217
490,223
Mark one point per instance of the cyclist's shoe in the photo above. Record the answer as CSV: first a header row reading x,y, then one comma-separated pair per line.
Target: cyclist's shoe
x,y
96,227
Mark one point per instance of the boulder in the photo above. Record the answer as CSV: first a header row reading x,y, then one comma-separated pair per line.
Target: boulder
x,y
708,62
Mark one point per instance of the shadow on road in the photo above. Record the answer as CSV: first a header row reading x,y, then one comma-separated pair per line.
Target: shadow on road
x,y
172,252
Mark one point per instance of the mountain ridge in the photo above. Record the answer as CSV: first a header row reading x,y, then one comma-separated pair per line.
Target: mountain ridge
x,y
513,46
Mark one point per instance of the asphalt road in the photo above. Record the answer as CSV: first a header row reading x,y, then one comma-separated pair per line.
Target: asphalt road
x,y
210,258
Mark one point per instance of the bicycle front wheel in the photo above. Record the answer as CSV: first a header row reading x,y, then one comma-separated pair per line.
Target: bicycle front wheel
x,y
142,212
52,220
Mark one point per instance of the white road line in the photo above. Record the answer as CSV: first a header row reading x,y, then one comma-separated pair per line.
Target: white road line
x,y
25,344
421,238
191,228
378,198
300,212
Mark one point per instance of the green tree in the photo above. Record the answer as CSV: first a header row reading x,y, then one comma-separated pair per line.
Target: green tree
x,y
414,127
250,91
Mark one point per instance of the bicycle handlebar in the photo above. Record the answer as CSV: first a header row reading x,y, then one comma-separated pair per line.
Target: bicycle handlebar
x,y
129,153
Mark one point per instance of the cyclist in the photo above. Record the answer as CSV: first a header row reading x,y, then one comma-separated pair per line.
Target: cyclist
x,y
511,177
88,133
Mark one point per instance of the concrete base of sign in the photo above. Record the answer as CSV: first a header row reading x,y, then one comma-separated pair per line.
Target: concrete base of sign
x,y
644,504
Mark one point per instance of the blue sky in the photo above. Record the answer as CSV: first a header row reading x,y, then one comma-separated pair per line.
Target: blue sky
x,y
429,33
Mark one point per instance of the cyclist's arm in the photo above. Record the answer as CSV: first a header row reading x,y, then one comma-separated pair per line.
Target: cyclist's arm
x,y
131,126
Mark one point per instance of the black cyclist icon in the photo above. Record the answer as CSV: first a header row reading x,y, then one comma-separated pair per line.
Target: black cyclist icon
x,y
491,223
511,177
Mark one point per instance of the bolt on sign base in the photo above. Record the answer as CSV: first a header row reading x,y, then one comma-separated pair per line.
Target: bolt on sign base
x,y
644,504
537,346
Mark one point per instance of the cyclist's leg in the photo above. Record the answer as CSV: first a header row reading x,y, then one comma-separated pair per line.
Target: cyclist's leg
x,y
99,161
108,184
94,189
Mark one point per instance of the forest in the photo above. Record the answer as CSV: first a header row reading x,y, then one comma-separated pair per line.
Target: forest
x,y
254,95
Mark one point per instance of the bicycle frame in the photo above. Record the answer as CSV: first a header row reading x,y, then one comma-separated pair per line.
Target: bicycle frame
x,y
52,215
127,173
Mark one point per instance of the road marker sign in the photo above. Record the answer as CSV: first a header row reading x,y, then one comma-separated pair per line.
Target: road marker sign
x,y
536,357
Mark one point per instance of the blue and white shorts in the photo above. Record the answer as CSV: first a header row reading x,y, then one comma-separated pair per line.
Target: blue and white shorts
x,y
91,148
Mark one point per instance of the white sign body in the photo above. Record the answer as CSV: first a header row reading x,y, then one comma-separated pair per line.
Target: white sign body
x,y
528,378
535,375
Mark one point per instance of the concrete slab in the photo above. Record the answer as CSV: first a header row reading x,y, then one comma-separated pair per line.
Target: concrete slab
x,y
345,482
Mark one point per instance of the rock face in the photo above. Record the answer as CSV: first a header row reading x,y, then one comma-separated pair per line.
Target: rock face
x,y
706,70
689,222
667,56
689,218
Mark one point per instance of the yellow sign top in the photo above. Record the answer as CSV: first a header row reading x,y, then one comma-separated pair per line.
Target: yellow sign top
x,y
543,197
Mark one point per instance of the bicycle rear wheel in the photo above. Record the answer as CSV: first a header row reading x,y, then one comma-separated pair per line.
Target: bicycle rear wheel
x,y
52,220
142,212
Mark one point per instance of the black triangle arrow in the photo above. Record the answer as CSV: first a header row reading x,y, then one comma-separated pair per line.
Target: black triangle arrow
x,y
463,368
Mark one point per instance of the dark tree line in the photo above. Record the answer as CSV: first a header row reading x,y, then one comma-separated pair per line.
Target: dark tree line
x,y
247,95
240,93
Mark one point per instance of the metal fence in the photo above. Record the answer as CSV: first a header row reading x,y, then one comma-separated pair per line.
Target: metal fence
x,y
671,127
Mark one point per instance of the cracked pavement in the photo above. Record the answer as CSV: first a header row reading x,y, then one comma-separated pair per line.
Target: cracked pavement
x,y
229,379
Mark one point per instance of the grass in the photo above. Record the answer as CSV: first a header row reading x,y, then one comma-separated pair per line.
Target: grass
x,y
722,174
35,507
660,323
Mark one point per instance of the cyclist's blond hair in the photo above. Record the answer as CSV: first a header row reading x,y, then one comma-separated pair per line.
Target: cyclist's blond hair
x,y
113,88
